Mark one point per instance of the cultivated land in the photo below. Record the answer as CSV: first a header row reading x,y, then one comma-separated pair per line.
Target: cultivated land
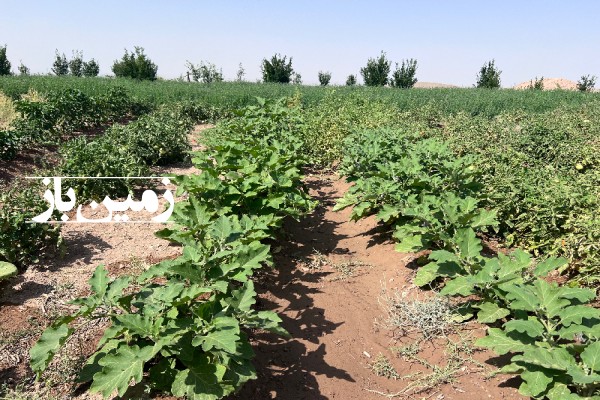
x,y
411,242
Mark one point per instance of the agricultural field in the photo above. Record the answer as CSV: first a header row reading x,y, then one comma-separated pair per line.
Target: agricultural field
x,y
326,242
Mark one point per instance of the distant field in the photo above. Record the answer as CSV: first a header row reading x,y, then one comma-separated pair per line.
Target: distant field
x,y
233,94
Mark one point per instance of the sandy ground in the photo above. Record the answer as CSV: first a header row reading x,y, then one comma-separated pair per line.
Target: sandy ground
x,y
550,84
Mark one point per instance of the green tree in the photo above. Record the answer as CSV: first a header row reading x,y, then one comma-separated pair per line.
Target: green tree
x,y
489,76
205,72
351,80
4,63
91,68
23,69
324,78
277,70
404,76
296,78
538,84
60,67
376,72
135,65
586,83
76,64
240,73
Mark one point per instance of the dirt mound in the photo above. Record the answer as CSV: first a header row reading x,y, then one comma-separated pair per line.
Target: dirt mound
x,y
432,85
551,84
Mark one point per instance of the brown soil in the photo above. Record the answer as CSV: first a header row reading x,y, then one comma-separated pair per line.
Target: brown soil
x,y
334,315
550,84
334,322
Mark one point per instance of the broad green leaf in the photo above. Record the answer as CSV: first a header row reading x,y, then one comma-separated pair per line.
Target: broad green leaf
x,y
588,327
521,298
459,286
426,274
116,287
531,327
468,243
443,256
410,244
554,358
575,314
245,298
591,356
583,378
535,383
46,347
224,336
548,295
497,340
7,270
549,265
119,368
582,295
136,324
99,281
484,218
560,391
201,381
490,312
387,213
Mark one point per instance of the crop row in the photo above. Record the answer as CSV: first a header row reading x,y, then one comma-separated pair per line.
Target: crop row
x,y
232,95
182,324
431,200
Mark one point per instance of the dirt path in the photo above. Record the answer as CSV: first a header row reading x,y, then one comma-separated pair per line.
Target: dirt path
x,y
332,319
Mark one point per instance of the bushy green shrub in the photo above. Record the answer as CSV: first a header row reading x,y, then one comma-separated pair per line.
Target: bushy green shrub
x,y
135,65
277,70
489,76
404,77
21,242
101,158
324,78
376,72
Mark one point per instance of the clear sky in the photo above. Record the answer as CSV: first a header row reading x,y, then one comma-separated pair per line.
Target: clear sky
x,y
450,39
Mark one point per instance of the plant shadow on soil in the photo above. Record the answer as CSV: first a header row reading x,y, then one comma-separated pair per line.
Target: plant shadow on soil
x,y
18,290
287,368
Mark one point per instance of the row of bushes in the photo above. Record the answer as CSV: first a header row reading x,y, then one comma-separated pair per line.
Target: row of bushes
x,y
49,118
433,201
130,149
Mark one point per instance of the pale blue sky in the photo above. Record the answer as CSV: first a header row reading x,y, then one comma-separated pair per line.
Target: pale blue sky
x,y
450,39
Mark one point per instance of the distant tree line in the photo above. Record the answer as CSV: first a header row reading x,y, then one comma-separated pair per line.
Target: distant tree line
x,y
277,69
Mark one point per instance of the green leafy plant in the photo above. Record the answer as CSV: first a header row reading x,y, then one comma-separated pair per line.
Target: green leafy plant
x,y
416,186
23,69
90,68
324,78
135,65
60,66
76,64
351,80
204,72
181,325
404,77
538,84
4,63
489,76
376,72
22,242
586,83
7,270
277,70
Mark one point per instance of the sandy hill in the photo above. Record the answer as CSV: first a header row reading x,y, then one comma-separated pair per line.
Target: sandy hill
x,y
431,85
551,84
